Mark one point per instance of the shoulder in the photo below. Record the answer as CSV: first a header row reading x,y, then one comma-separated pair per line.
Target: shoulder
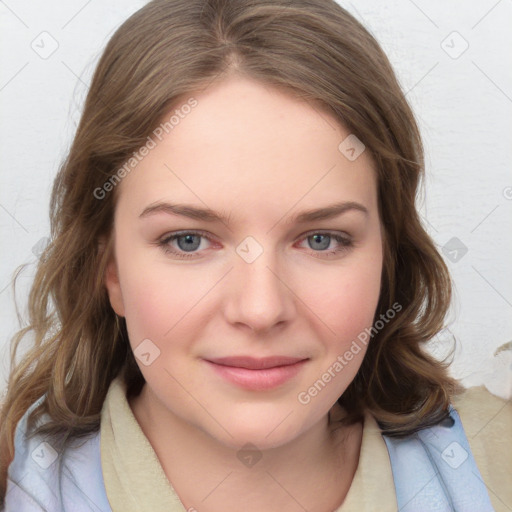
x,y
487,422
465,460
45,474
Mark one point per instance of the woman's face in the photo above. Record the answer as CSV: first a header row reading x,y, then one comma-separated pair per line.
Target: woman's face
x,y
243,300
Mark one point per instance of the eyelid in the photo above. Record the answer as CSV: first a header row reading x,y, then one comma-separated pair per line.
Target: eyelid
x,y
325,232
182,232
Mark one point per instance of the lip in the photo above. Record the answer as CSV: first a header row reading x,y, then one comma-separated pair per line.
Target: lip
x,y
257,374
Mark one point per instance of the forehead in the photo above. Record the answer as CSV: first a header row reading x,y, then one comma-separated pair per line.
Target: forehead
x,y
250,145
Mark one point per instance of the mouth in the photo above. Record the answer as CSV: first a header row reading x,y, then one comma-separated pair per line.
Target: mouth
x,y
257,374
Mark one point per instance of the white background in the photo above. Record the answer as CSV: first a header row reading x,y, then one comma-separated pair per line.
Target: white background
x,y
462,99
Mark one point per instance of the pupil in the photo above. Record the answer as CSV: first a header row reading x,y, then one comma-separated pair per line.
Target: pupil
x,y
325,243
189,244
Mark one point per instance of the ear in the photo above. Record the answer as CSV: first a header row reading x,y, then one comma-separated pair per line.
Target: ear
x,y
111,279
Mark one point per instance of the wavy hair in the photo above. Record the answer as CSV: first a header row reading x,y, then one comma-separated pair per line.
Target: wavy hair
x,y
313,49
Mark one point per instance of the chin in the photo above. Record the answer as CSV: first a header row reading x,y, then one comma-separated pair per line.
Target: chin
x,y
260,430
256,438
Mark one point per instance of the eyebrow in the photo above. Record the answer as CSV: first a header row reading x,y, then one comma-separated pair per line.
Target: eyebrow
x,y
207,215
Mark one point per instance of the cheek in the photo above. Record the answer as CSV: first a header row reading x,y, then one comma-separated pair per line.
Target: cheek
x,y
157,300
155,296
344,299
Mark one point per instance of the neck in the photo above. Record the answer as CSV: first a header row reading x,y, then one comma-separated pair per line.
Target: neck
x,y
314,471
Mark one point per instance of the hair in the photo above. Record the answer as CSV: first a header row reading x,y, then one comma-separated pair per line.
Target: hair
x,y
312,49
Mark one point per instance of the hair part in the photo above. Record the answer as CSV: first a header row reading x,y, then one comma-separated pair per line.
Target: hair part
x,y
312,49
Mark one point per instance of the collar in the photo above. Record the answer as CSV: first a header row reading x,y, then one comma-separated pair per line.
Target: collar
x,y
135,480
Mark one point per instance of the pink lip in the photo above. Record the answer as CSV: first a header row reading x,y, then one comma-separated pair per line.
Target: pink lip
x,y
257,374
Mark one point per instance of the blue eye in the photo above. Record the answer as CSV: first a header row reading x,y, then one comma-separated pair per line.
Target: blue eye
x,y
320,242
187,243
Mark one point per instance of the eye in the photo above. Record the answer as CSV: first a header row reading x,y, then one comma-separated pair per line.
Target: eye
x,y
320,242
187,243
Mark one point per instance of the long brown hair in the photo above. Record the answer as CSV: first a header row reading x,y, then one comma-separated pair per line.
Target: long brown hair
x,y
313,49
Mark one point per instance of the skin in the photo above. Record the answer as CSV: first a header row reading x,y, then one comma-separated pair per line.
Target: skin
x,y
259,156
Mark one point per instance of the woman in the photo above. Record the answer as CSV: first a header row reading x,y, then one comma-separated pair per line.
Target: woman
x,y
237,292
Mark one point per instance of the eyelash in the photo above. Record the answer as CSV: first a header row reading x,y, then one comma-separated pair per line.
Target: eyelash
x,y
164,243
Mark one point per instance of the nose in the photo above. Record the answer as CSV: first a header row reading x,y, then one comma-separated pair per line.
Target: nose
x,y
259,296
